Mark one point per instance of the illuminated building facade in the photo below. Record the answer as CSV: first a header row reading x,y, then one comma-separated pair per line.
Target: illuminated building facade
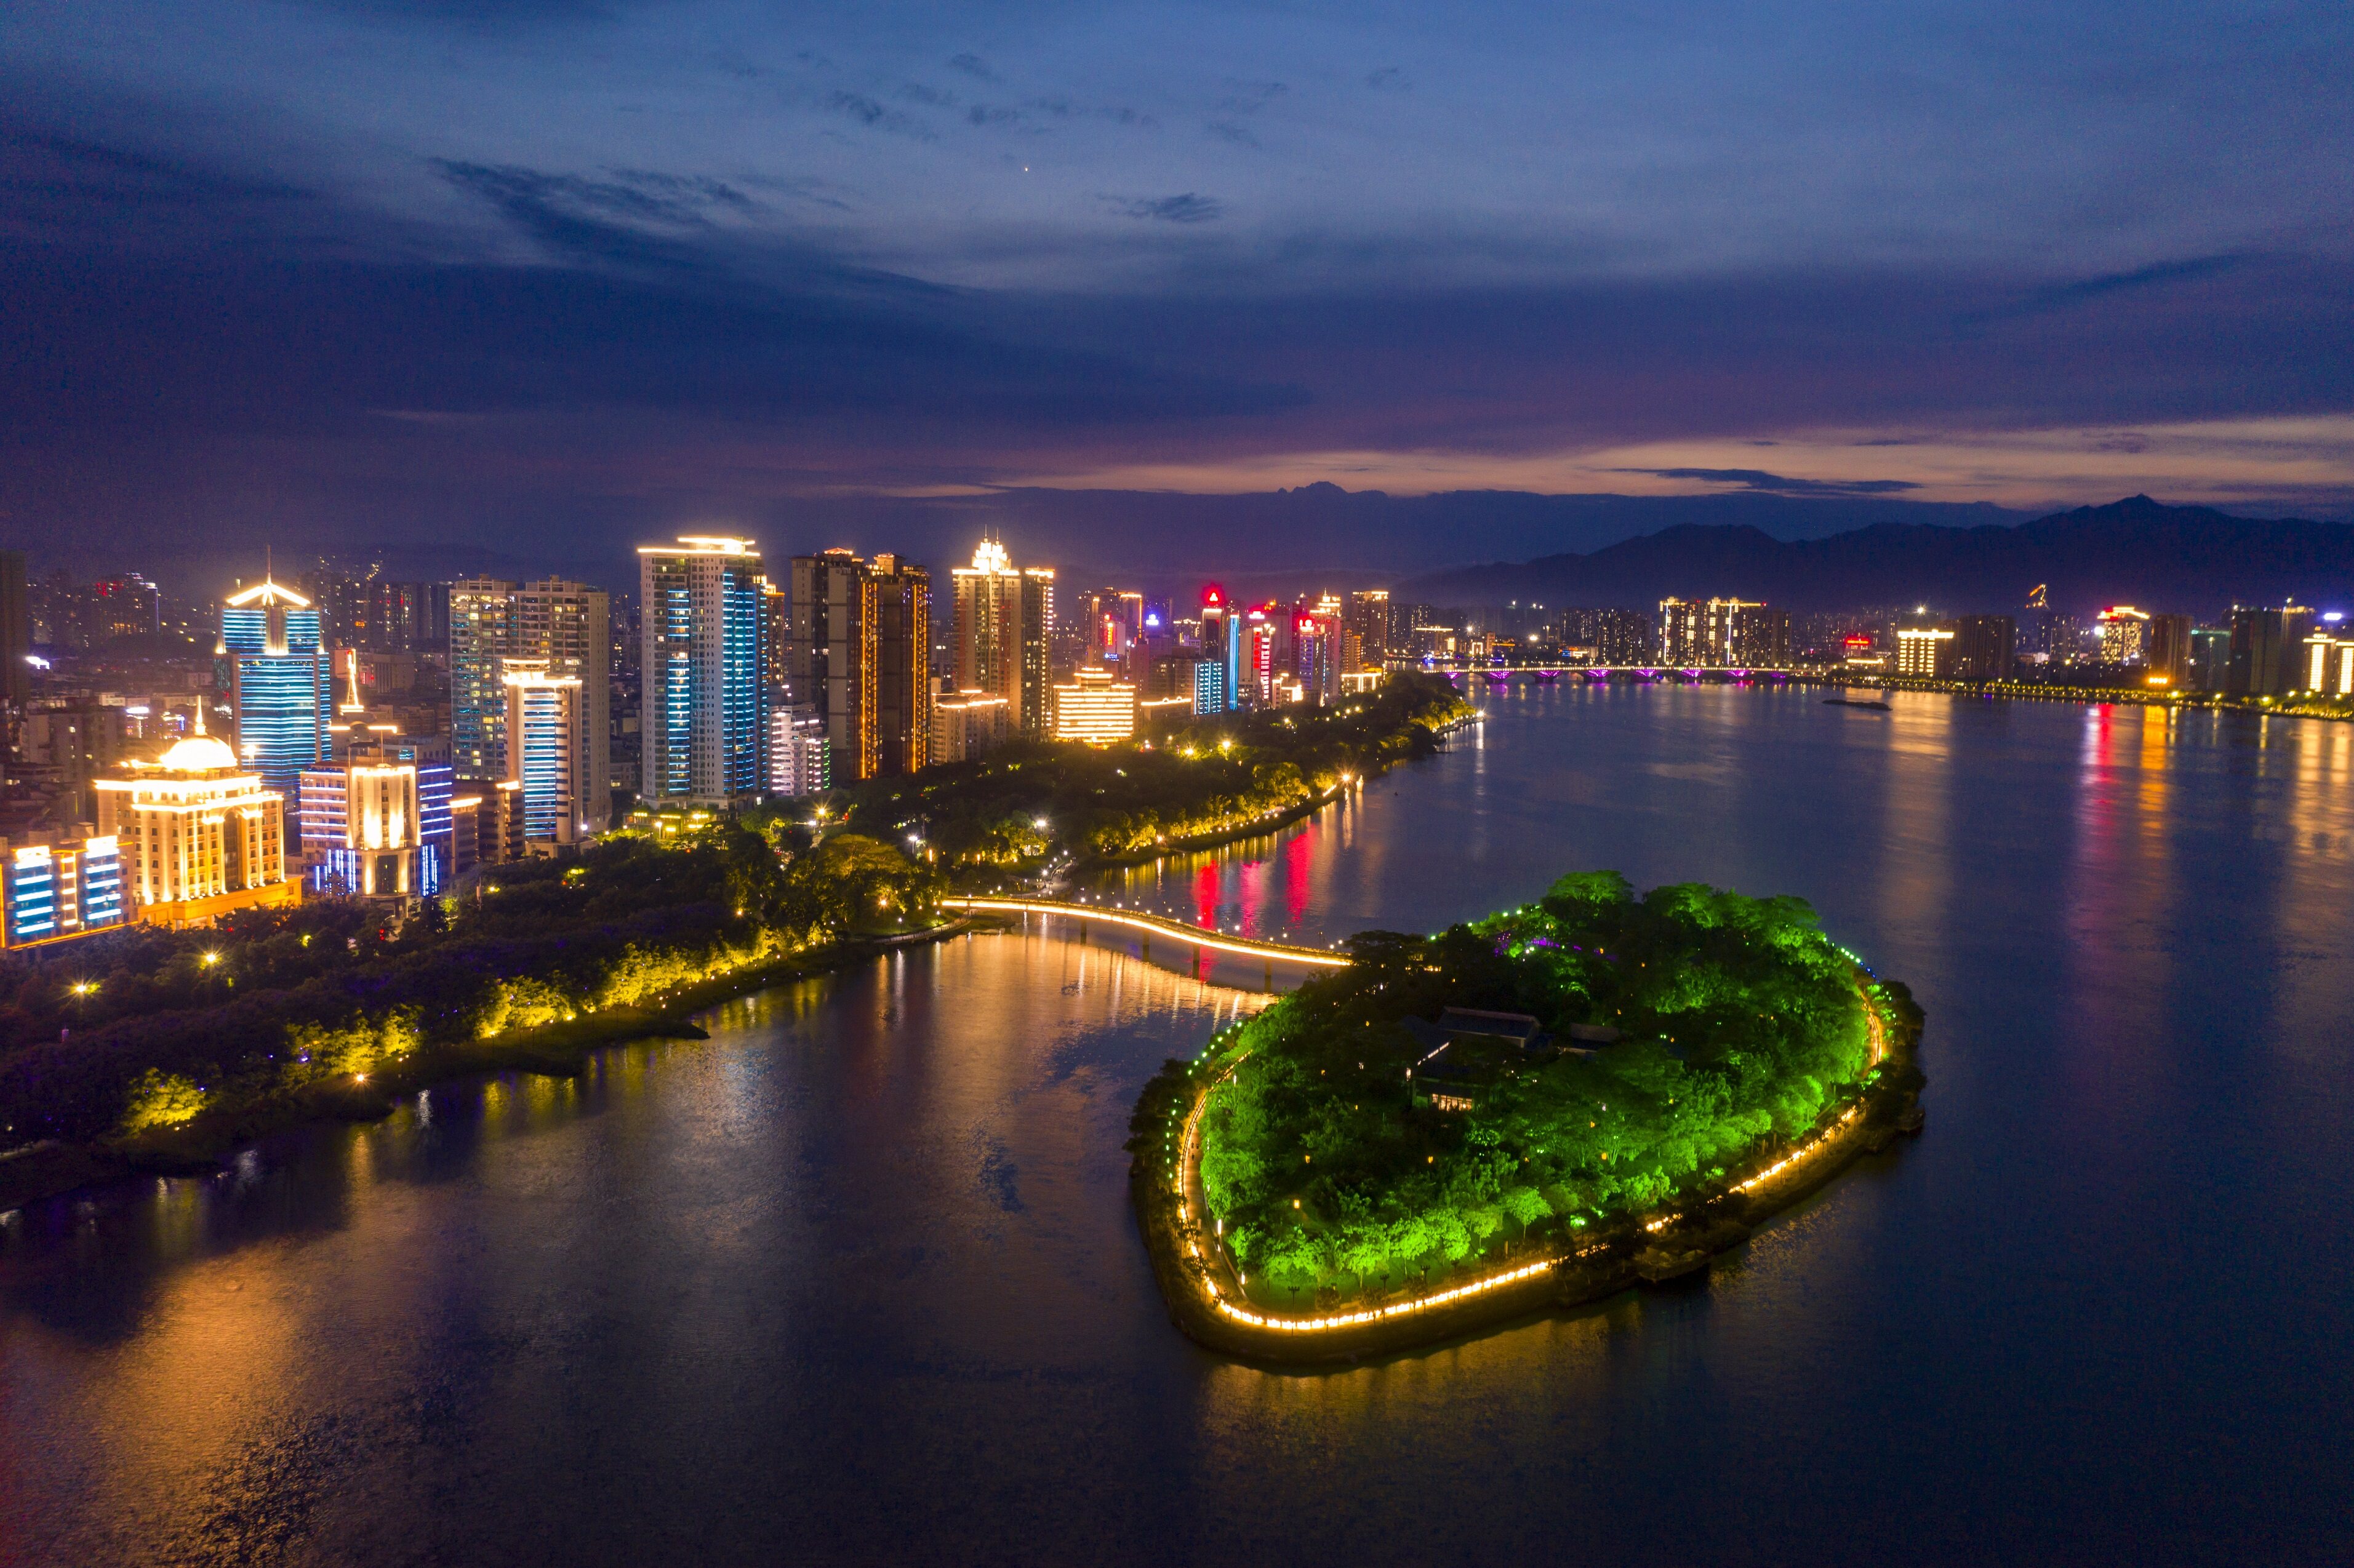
x,y
1316,653
545,757
1365,626
2329,663
1926,652
1002,633
55,892
1216,683
1094,707
705,708
1723,634
381,822
560,627
282,683
861,638
200,835
2124,634
800,763
967,723
2166,652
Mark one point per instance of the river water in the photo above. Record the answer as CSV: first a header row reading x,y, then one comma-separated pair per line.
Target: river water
x,y
855,1281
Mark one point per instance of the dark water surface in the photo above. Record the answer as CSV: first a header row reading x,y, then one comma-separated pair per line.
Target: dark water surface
x,y
855,1280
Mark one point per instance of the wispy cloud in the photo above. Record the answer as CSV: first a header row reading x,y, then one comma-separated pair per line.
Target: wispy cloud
x,y
1775,483
1189,207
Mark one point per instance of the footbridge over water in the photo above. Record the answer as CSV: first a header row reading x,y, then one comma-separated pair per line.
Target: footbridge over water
x,y
1272,953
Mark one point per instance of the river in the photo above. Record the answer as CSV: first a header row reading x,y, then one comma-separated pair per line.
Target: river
x,y
854,1280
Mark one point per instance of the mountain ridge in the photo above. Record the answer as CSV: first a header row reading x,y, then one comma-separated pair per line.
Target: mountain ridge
x,y
2132,551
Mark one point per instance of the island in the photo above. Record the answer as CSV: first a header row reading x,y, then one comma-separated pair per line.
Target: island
x,y
1534,1110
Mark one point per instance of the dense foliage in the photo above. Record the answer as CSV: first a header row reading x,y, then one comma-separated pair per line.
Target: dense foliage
x,y
1739,1021
1021,804
146,1027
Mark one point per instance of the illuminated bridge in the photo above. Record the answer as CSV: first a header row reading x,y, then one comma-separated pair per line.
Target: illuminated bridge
x,y
1138,920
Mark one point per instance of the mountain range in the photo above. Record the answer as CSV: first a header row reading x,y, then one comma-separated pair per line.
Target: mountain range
x,y
2185,560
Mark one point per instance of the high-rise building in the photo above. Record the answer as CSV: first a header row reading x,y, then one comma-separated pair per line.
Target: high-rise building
x,y
2123,632
967,723
1617,638
55,891
2329,663
201,834
1004,632
124,605
706,706
281,684
800,763
1984,647
558,628
15,633
1095,707
861,642
1927,652
1721,633
2267,649
1218,686
2166,652
1365,623
378,822
483,618
1316,652
549,757
2211,658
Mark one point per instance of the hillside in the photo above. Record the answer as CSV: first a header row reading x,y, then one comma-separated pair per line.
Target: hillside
x,y
2135,551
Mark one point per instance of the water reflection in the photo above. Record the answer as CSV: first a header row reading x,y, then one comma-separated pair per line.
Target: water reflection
x,y
854,1280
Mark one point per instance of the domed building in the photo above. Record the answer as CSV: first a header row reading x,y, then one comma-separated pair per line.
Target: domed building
x,y
199,833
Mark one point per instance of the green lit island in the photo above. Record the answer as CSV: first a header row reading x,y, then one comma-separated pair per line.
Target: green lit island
x,y
1534,1111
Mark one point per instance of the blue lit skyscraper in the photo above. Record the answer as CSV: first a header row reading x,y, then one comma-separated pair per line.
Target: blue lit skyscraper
x,y
282,683
706,717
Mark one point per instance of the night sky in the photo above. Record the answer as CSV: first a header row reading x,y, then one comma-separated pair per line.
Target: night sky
x,y
549,277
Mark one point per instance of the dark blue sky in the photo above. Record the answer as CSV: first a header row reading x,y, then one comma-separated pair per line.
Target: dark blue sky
x,y
552,275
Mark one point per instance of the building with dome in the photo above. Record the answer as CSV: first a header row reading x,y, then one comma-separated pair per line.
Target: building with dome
x,y
198,834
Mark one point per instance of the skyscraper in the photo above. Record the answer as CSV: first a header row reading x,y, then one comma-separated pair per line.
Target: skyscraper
x,y
377,822
1717,633
1365,624
15,640
546,754
1003,626
705,702
482,619
2267,649
564,628
280,684
861,648
1985,647
1218,684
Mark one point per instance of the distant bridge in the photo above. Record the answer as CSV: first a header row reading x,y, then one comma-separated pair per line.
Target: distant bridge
x,y
1654,672
1138,920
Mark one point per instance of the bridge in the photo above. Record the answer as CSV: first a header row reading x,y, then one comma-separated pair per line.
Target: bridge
x,y
1155,925
1655,671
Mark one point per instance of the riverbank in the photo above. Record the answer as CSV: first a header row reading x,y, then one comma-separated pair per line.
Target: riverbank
x,y
200,1146
1207,1301
2301,705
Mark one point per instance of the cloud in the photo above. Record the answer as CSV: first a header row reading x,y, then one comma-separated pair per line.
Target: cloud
x,y
1227,130
972,66
1777,485
1189,207
867,112
1389,79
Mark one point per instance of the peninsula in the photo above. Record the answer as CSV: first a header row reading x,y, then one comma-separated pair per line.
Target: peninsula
x,y
1536,1110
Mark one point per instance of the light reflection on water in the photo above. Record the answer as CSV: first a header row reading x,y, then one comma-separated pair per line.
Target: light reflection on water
x,y
855,1279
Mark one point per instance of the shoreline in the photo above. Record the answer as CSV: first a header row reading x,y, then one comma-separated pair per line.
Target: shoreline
x,y
44,1171
1653,1250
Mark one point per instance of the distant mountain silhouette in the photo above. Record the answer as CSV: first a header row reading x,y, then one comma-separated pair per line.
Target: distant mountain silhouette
x,y
2186,559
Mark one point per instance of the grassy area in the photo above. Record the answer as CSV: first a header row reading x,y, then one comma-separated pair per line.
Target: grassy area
x,y
1330,1177
129,1037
